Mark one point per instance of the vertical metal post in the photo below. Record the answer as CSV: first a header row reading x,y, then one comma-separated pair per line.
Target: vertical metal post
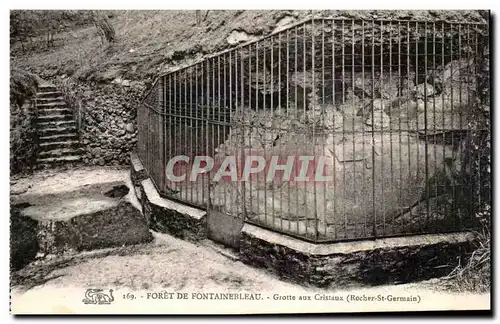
x,y
391,130
198,126
323,116
192,127
452,113
426,126
241,129
162,131
186,116
288,104
271,117
363,100
417,71
374,225
346,235
381,135
400,133
296,109
313,108
444,103
434,67
334,212
408,89
354,135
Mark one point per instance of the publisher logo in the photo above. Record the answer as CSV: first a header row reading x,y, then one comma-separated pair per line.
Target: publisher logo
x,y
98,297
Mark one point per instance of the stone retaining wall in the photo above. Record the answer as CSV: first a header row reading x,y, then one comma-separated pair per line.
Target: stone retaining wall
x,y
164,215
391,260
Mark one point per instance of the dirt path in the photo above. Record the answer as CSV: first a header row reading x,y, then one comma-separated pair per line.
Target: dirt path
x,y
53,181
170,265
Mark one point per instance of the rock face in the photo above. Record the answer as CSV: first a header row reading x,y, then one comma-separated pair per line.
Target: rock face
x,y
108,131
348,205
23,242
113,226
380,164
83,219
237,37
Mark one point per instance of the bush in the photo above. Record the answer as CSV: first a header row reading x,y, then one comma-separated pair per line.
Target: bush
x,y
23,140
23,85
23,241
475,274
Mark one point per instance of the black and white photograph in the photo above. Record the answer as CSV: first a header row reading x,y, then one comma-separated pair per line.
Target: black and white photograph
x,y
250,161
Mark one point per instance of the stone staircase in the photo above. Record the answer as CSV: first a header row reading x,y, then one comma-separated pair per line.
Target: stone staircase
x,y
57,131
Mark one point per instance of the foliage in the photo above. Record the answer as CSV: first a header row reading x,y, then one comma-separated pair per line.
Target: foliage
x,y
104,27
23,142
23,85
475,274
201,16
28,24
24,23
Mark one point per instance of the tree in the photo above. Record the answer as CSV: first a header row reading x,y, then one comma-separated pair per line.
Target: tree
x,y
41,26
104,27
199,17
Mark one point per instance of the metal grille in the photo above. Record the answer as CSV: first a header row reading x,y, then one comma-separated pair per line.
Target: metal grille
x,y
393,106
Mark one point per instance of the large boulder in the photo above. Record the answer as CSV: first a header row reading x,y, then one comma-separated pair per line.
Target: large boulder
x,y
89,217
375,179
23,241
458,81
374,84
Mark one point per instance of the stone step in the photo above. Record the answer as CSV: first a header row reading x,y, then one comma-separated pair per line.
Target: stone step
x,y
58,160
59,152
48,146
56,123
59,137
49,94
69,130
47,88
57,104
54,111
42,100
42,119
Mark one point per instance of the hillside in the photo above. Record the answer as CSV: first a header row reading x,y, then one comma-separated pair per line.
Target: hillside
x,y
150,41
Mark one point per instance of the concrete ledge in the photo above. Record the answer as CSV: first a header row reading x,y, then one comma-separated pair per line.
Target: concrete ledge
x,y
370,262
166,216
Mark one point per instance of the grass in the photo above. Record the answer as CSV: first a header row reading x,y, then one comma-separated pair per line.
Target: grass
x,y
475,274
